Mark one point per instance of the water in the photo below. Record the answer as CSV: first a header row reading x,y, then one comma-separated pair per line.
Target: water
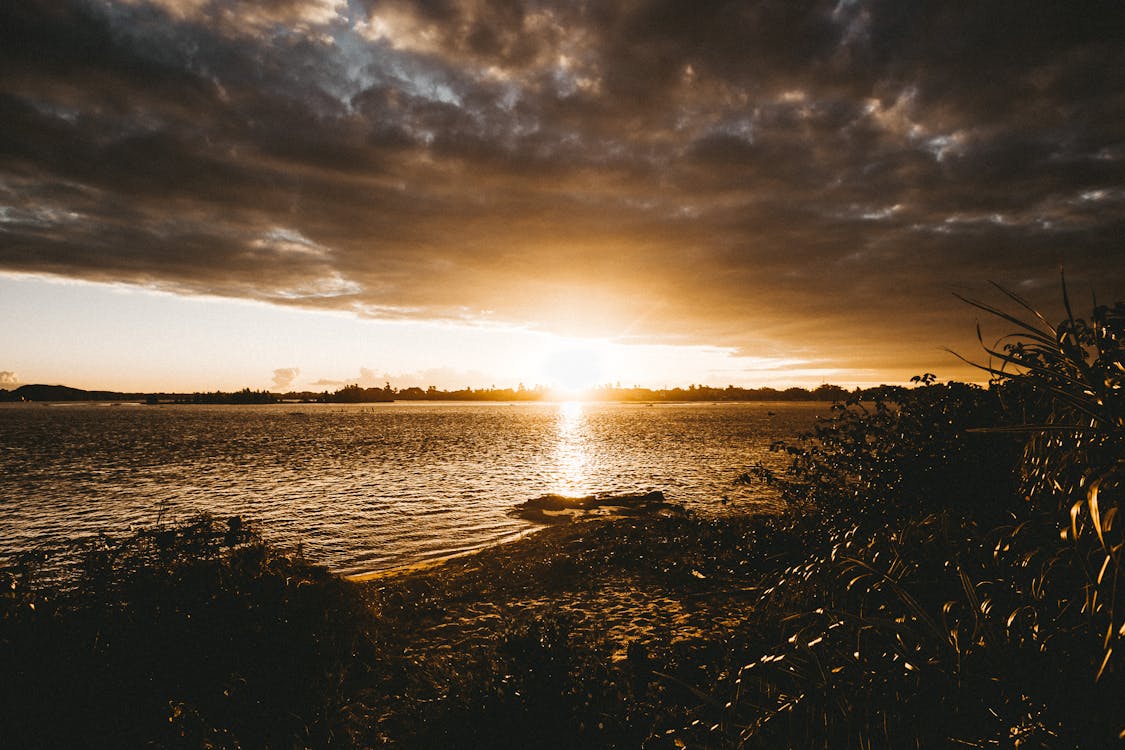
x,y
370,486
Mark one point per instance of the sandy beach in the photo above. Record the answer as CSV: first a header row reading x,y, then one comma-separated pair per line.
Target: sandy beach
x,y
619,578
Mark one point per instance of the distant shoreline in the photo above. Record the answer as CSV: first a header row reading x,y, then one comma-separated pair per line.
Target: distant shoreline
x,y
435,402
353,394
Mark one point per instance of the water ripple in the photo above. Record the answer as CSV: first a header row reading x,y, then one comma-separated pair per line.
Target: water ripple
x,y
364,488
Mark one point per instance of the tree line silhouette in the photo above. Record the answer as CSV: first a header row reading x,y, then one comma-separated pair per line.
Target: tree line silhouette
x,y
355,394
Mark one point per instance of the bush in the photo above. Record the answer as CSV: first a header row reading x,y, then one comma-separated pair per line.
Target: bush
x,y
195,636
1073,467
959,590
541,686
909,452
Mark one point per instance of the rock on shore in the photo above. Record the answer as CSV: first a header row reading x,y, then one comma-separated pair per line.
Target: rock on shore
x,y
553,509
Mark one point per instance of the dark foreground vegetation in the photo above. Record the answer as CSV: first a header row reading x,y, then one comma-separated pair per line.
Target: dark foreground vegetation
x,y
944,573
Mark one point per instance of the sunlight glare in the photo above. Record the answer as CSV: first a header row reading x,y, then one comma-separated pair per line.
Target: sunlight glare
x,y
571,457
575,368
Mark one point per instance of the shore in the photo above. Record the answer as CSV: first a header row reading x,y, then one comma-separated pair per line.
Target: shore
x,y
655,580
588,633
650,604
624,570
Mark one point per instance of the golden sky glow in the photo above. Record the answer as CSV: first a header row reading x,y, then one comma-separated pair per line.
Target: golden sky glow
x,y
138,340
743,192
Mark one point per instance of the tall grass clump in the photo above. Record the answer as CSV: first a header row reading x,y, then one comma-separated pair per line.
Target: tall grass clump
x,y
964,549
196,635
1069,380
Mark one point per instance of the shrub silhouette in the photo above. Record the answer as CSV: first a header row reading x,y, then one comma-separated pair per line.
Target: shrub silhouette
x,y
196,635
956,592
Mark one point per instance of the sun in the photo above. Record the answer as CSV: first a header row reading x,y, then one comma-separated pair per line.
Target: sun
x,y
574,369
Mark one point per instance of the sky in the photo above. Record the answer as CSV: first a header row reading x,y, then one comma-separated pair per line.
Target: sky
x,y
200,195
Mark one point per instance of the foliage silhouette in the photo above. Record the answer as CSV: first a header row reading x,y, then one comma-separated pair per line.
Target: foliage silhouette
x,y
190,636
956,592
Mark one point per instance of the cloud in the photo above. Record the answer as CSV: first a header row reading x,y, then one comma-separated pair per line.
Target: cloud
x,y
813,177
367,378
283,377
324,383
8,379
246,17
447,379
443,378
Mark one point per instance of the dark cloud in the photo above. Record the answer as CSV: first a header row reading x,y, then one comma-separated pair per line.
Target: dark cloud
x,y
812,178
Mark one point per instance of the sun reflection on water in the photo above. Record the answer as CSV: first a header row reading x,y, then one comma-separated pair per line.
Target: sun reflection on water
x,y
572,459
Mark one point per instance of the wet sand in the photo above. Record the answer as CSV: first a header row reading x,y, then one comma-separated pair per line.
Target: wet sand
x,y
660,581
